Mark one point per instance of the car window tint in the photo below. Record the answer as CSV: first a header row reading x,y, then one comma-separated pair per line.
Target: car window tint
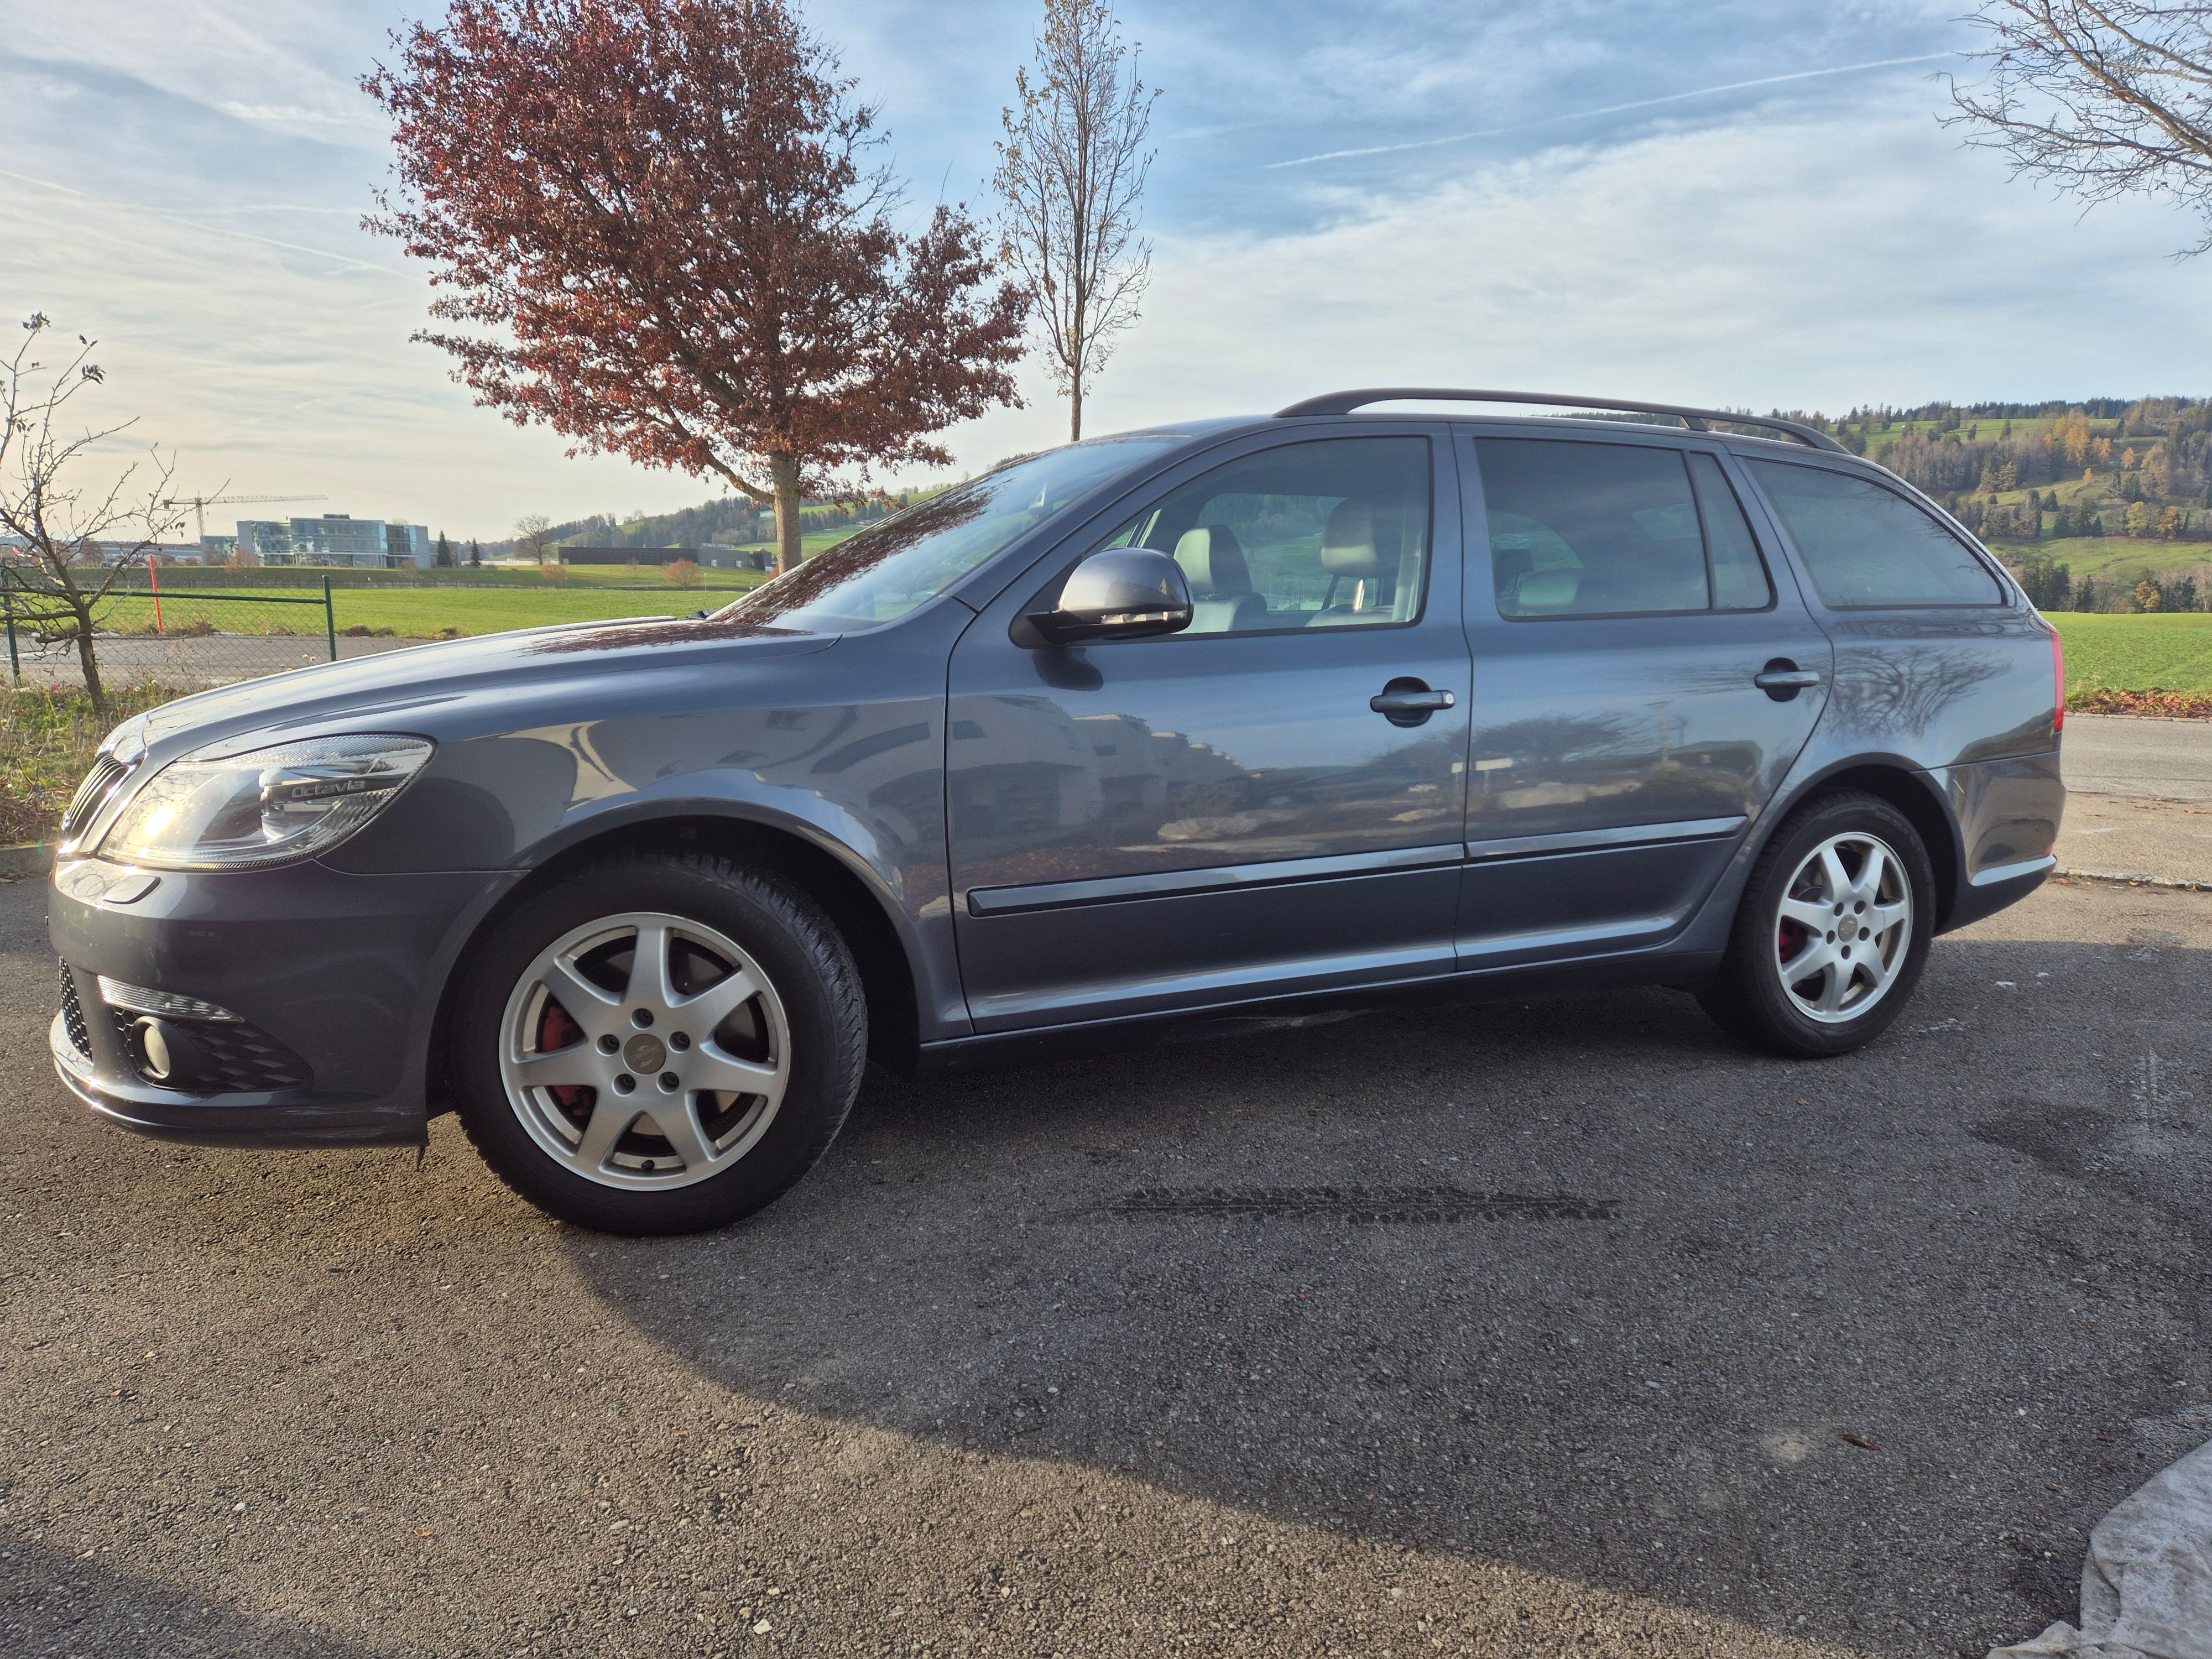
x,y
1864,545
1591,529
1329,534
1740,580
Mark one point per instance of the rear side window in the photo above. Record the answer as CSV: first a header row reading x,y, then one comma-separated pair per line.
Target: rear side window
x,y
1597,530
1864,545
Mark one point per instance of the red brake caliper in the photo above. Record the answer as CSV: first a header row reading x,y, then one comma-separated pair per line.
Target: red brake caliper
x,y
556,1030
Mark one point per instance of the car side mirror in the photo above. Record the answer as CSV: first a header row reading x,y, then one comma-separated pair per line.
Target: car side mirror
x,y
1124,594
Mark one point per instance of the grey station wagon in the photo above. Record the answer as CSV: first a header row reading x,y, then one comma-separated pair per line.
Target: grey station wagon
x,y
1215,724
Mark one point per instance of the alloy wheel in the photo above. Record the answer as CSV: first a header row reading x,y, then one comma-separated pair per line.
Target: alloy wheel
x,y
645,1051
1845,928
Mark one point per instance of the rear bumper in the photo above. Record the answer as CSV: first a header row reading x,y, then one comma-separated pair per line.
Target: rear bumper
x,y
343,971
2007,812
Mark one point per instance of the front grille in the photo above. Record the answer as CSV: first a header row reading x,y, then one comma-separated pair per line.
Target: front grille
x,y
237,1058
107,772
73,1014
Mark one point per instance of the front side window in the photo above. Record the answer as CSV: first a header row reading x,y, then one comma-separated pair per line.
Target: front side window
x,y
884,571
1608,530
1866,545
1329,534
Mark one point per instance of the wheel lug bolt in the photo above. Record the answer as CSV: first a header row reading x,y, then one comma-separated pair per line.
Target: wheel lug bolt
x,y
669,1081
608,1045
624,1083
1831,939
678,1042
641,1019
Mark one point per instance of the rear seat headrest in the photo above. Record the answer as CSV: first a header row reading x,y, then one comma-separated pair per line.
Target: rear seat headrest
x,y
1212,563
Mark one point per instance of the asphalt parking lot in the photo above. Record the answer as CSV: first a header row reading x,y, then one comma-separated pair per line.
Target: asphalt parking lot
x,y
1531,1329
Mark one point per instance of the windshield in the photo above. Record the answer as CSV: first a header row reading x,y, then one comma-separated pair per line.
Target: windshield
x,y
884,571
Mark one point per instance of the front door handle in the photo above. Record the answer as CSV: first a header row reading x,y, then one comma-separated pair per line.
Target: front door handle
x,y
1409,702
1783,679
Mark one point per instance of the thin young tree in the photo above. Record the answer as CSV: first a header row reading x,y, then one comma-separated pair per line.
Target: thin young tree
x,y
2102,98
1071,186
77,540
442,554
658,228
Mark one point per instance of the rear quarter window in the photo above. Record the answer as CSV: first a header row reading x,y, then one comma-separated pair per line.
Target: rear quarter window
x,y
1866,546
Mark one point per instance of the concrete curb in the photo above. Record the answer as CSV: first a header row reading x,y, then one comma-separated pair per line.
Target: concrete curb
x,y
35,858
2182,883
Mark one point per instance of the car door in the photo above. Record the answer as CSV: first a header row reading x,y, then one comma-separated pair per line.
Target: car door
x,y
1644,675
1152,825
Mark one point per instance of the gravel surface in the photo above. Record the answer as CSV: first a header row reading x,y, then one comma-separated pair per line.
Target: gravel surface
x,y
1527,1330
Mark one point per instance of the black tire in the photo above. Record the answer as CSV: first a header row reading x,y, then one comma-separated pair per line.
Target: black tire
x,y
1748,997
787,935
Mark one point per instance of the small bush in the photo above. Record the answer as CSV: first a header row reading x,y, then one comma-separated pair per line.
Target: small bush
x,y
681,572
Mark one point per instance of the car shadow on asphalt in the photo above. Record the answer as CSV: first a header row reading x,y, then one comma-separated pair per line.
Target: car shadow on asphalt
x,y
53,1602
1857,1349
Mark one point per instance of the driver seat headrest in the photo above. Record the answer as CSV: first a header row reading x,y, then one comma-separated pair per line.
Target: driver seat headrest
x,y
1212,563
1347,543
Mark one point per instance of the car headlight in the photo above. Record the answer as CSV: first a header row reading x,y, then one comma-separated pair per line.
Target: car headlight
x,y
212,811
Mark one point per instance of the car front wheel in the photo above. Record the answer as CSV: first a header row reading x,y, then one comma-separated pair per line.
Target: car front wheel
x,y
1832,933
661,1044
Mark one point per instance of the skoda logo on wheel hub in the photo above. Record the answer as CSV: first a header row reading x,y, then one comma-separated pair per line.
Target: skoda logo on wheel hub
x,y
644,1053
1848,929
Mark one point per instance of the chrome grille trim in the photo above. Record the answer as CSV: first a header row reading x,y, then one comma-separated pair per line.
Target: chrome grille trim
x,y
99,783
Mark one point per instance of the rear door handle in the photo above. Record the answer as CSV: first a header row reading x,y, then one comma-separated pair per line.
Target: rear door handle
x,y
1408,702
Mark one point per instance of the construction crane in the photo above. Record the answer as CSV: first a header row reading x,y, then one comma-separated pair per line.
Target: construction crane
x,y
199,505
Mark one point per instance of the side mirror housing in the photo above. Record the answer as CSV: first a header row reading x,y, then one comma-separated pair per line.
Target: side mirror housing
x,y
1124,594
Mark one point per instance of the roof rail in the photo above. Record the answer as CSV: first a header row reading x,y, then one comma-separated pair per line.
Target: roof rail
x,y
1343,403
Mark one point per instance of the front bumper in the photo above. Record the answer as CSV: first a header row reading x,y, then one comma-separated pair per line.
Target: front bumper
x,y
343,971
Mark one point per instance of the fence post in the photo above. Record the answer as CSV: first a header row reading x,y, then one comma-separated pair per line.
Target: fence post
x,y
330,619
7,603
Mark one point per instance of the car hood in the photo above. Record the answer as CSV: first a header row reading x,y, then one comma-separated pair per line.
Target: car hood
x,y
406,688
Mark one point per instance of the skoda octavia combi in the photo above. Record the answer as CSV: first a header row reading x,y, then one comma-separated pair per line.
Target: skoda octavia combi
x,y
1209,723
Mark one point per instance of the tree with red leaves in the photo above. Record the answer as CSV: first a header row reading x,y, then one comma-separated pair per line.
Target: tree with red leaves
x,y
653,222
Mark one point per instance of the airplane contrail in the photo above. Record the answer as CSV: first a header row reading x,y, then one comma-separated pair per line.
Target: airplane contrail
x,y
1606,109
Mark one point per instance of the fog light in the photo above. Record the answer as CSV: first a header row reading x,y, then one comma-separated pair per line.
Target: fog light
x,y
166,1052
142,1000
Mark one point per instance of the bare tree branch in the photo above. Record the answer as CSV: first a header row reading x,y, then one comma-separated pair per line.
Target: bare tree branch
x,y
1071,178
77,543
2104,98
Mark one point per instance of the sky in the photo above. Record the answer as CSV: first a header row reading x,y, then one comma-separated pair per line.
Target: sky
x,y
1730,204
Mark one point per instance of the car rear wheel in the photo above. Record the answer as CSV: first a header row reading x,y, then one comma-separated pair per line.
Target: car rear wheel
x,y
662,1044
1832,933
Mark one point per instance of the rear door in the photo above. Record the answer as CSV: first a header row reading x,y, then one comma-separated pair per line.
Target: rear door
x,y
1644,675
1143,825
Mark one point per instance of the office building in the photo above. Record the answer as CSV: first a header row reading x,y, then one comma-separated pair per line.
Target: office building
x,y
336,540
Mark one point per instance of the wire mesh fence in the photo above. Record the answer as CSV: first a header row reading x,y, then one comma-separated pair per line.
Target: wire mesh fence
x,y
188,639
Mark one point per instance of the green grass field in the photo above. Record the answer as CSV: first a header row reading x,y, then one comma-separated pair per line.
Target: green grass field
x,y
420,613
2137,653
2110,558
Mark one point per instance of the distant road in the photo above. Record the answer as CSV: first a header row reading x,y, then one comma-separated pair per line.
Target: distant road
x,y
2139,798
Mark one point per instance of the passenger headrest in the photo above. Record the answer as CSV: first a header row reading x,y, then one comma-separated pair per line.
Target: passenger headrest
x,y
1347,543
1212,563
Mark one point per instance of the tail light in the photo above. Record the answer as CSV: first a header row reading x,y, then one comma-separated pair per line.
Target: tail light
x,y
2058,674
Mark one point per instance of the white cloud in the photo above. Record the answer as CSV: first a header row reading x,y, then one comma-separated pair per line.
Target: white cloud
x,y
1771,260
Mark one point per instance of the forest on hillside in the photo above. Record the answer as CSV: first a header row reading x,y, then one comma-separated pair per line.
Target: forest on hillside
x,y
2104,471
